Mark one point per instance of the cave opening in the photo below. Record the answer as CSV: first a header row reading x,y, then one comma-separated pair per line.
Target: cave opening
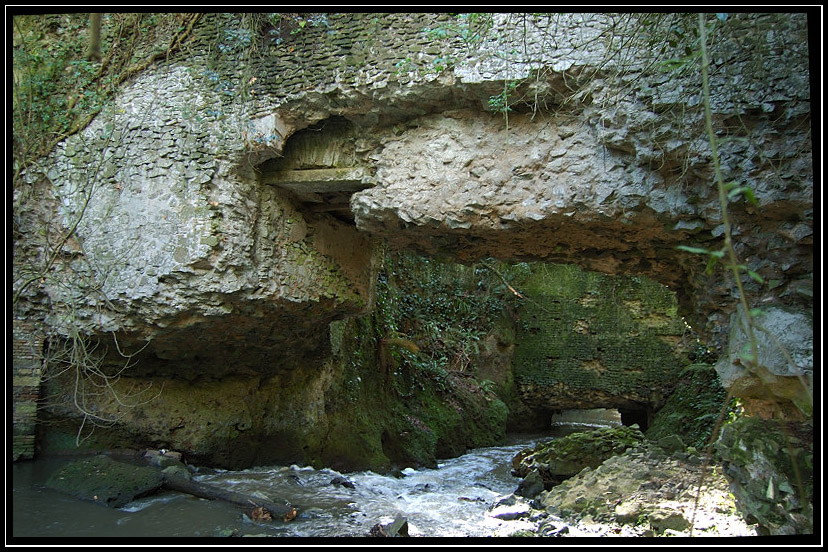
x,y
642,416
589,416
565,422
583,419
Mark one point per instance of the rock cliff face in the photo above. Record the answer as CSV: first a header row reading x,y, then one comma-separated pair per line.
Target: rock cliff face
x,y
180,247
228,204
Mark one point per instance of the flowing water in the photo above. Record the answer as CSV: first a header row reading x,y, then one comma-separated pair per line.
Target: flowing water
x,y
453,499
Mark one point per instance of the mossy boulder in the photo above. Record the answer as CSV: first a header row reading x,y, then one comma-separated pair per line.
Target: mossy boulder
x,y
106,481
647,490
563,458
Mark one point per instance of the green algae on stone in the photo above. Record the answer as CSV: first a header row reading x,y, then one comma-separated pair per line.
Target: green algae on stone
x,y
105,481
617,335
562,458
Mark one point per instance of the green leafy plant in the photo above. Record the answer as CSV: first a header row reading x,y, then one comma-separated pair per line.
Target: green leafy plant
x,y
235,39
469,28
444,308
500,102
312,20
56,91
488,386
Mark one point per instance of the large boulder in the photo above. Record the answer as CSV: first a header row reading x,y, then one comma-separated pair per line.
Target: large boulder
x,y
651,492
784,372
562,458
106,481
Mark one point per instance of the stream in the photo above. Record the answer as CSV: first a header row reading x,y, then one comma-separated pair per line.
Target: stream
x,y
452,500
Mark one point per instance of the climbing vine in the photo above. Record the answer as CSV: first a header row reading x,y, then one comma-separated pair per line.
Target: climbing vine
x,y
434,315
56,91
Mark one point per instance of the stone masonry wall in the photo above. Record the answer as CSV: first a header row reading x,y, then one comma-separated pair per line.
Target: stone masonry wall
x,y
27,359
590,341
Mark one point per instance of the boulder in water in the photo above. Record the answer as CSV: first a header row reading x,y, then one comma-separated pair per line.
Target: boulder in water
x,y
341,481
106,481
397,528
531,485
560,459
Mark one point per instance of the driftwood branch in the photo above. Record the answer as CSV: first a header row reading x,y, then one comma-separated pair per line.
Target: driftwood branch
x,y
201,490
262,509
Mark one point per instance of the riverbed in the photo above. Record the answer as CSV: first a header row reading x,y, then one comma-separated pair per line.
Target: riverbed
x,y
468,496
452,500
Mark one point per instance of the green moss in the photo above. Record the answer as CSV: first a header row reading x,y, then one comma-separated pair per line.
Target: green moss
x,y
105,481
523,533
459,419
409,406
567,456
692,408
308,264
579,319
750,438
602,439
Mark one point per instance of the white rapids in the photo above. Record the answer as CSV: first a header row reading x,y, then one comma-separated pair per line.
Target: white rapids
x,y
452,500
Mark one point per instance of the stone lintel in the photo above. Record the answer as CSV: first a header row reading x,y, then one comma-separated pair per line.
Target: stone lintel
x,y
323,181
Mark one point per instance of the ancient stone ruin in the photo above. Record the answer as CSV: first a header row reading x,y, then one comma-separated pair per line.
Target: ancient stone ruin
x,y
231,202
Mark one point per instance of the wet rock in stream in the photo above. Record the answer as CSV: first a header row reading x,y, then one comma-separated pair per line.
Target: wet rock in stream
x,y
510,508
531,485
645,491
106,481
342,482
397,528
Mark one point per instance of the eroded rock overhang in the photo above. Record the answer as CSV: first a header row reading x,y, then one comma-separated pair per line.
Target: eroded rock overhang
x,y
466,185
609,169
180,251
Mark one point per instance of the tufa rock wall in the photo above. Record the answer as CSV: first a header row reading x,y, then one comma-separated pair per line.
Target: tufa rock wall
x,y
198,235
175,246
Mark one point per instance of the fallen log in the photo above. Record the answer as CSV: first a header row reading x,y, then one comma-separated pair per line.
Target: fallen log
x,y
284,512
